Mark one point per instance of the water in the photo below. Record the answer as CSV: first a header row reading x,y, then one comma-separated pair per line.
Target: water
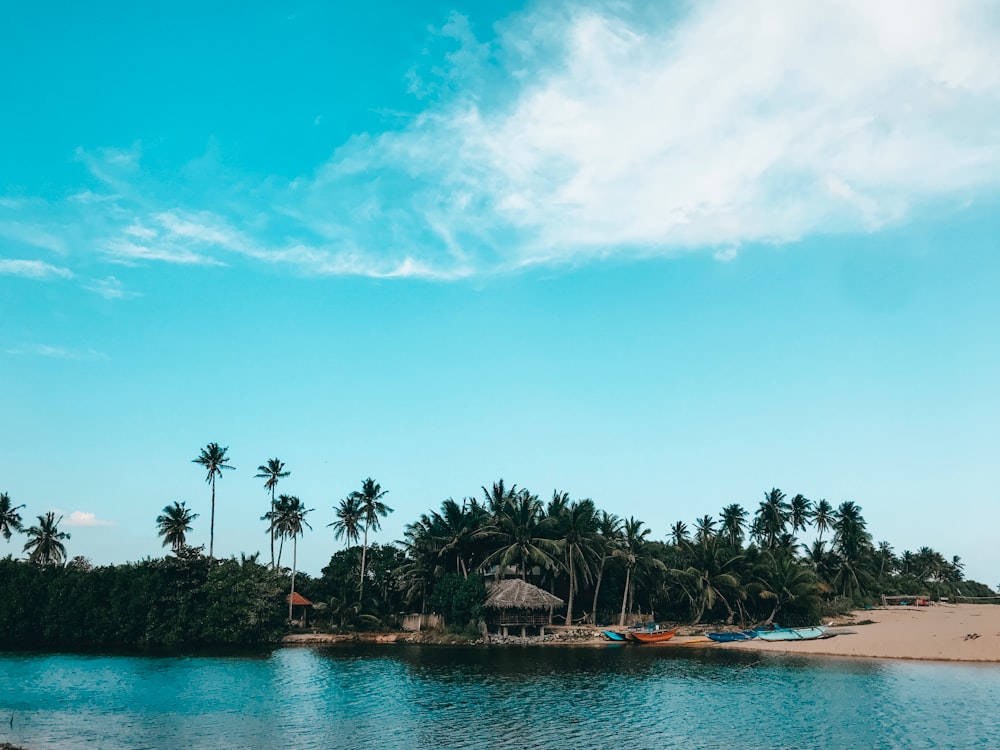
x,y
533,697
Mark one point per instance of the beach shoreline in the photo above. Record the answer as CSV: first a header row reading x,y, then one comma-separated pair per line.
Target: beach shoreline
x,y
967,633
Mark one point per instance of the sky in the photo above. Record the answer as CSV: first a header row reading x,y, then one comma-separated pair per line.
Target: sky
x,y
666,256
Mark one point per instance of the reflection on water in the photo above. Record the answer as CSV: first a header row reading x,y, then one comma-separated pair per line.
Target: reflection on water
x,y
532,697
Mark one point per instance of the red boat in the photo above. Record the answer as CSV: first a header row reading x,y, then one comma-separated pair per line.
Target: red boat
x,y
652,636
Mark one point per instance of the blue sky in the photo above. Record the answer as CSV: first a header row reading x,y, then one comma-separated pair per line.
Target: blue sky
x,y
665,256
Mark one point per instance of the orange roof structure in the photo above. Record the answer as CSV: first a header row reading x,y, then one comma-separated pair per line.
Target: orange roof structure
x,y
297,599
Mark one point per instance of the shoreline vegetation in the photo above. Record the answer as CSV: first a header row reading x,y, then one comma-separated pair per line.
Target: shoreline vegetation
x,y
742,569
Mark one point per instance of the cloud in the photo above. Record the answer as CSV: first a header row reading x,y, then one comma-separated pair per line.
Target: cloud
x,y
110,288
579,132
85,518
32,234
57,352
33,269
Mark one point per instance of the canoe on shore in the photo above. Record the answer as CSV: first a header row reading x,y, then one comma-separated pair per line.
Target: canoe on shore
x,y
730,637
611,635
652,636
793,634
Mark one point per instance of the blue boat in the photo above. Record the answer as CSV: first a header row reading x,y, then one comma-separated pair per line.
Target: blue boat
x,y
729,637
613,636
793,634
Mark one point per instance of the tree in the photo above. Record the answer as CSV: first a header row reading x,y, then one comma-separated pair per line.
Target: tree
x,y
289,523
174,524
271,472
782,580
498,497
348,524
10,519
577,526
704,529
800,511
372,509
679,533
708,576
214,460
823,517
609,534
734,522
45,541
773,516
519,532
633,552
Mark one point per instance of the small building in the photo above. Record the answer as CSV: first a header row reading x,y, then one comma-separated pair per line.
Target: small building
x,y
295,599
516,604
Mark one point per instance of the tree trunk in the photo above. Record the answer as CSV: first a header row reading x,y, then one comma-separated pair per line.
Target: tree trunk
x,y
281,548
364,557
597,590
569,603
295,562
272,528
211,528
628,577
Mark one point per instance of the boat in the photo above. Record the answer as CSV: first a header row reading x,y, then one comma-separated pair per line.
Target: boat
x,y
611,635
793,634
731,636
652,636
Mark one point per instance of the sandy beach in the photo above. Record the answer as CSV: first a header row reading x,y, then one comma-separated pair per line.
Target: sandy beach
x,y
943,632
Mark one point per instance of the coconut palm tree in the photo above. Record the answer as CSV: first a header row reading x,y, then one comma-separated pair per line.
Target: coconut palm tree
x,y
709,576
773,514
634,553
271,472
348,524
372,509
800,511
679,533
782,580
609,534
520,535
174,524
289,523
498,497
577,527
823,517
10,519
45,541
214,460
734,522
704,529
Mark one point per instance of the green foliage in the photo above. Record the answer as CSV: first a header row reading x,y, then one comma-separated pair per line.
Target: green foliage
x,y
170,602
459,600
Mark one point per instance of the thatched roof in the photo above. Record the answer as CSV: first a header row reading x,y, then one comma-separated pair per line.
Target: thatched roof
x,y
298,599
514,593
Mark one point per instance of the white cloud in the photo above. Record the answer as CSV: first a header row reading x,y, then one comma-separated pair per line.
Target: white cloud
x,y
33,269
110,288
615,129
57,352
32,234
85,518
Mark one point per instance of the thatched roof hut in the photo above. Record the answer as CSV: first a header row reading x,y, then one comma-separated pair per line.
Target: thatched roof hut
x,y
513,593
516,603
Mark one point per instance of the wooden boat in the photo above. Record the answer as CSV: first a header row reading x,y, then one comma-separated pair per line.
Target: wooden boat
x,y
730,637
793,634
611,635
652,636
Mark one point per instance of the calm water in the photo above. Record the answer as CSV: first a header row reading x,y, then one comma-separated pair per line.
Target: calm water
x,y
424,697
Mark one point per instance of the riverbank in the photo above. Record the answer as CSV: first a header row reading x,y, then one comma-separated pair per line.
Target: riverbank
x,y
940,632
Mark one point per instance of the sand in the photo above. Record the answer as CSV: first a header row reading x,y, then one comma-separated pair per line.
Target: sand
x,y
943,632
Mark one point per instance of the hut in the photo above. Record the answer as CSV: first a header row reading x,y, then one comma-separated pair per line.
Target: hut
x,y
295,599
514,603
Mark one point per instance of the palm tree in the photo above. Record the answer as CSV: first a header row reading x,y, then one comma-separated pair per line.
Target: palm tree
x,y
271,472
734,521
783,580
10,519
372,509
704,529
348,523
634,554
174,524
609,533
774,514
708,577
520,533
45,541
498,497
214,459
577,529
800,512
679,533
289,522
823,517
